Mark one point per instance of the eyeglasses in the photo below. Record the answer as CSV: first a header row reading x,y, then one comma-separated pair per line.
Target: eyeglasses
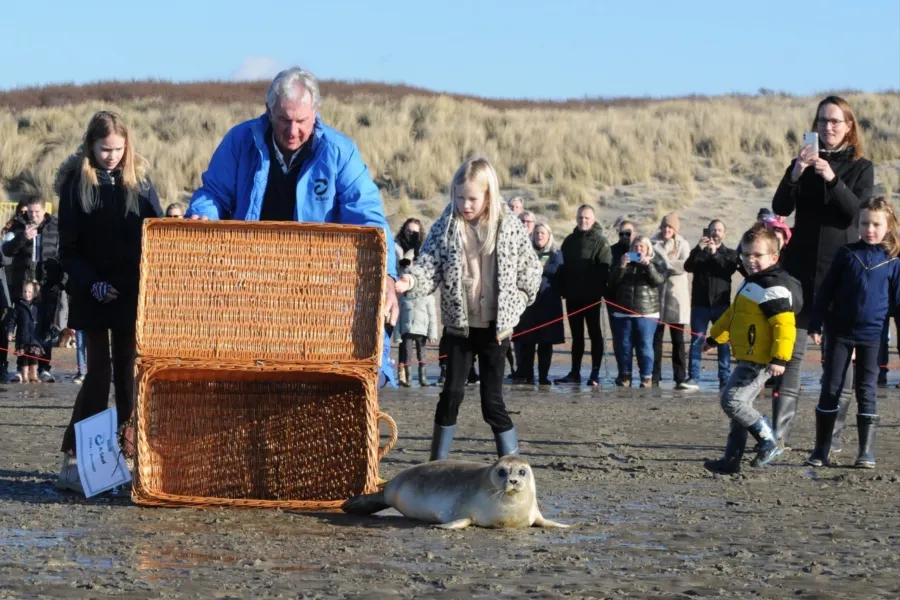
x,y
528,221
756,255
833,122
624,234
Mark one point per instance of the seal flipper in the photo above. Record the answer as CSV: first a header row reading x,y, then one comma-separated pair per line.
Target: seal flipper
x,y
367,504
540,521
457,524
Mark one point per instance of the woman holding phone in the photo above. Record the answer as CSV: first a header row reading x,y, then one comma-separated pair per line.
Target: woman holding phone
x,y
637,279
825,186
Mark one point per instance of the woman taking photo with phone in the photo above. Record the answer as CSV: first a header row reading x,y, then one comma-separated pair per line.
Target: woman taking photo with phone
x,y
825,186
637,279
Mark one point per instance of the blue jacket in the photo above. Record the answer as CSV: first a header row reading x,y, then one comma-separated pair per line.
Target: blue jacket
x,y
860,290
334,185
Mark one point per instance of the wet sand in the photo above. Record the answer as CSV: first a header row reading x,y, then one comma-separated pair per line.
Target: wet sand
x,y
624,467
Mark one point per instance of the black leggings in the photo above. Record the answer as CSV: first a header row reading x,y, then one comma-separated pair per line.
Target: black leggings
x,y
482,342
93,397
406,341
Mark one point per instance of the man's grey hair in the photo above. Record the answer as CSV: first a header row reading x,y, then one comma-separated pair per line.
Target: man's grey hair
x,y
288,84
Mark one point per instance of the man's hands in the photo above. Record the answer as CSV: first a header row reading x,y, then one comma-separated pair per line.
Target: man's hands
x,y
391,305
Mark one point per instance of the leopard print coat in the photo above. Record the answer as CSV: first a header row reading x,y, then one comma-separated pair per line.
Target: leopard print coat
x,y
440,263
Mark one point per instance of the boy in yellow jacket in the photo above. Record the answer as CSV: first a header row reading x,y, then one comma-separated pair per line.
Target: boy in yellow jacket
x,y
760,326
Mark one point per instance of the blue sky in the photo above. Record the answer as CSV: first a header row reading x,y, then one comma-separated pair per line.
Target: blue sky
x,y
495,48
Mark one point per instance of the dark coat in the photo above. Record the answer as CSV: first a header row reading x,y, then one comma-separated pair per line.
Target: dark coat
x,y
5,300
827,218
586,263
24,318
102,245
637,286
547,306
861,290
711,285
46,269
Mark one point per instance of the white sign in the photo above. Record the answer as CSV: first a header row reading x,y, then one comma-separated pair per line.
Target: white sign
x,y
101,466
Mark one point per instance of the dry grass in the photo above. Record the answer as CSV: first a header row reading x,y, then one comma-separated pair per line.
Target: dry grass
x,y
561,154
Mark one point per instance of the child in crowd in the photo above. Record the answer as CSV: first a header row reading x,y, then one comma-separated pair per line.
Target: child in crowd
x,y
418,316
24,319
637,279
857,295
481,257
760,325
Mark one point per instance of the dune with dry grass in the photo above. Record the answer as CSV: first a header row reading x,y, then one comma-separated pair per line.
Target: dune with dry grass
x,y
707,157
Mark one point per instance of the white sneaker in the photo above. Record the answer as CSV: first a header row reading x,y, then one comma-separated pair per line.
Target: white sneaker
x,y
690,384
68,475
47,377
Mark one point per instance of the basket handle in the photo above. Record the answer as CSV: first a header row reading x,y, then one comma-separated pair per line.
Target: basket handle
x,y
392,432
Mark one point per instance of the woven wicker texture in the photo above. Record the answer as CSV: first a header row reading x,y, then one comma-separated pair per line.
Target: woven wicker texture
x,y
245,291
301,437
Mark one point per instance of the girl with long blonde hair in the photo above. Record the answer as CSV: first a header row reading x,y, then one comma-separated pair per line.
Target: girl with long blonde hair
x,y
480,256
104,197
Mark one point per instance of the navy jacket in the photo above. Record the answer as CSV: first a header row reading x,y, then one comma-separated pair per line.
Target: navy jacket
x,y
24,318
547,306
861,289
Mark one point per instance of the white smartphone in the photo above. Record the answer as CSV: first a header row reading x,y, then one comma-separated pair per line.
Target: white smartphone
x,y
811,138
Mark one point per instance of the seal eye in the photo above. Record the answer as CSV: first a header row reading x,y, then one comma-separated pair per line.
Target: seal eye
x,y
522,472
501,472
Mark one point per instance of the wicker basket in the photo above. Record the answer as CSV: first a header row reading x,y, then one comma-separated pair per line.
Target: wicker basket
x,y
283,292
301,437
258,346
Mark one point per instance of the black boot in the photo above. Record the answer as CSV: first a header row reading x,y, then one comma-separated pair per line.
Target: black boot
x,y
507,443
766,446
443,376
730,463
4,370
866,425
784,408
441,438
843,407
824,432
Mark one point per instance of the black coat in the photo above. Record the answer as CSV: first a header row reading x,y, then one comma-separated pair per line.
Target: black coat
x,y
46,270
24,318
827,218
547,306
102,245
711,285
617,251
637,286
585,271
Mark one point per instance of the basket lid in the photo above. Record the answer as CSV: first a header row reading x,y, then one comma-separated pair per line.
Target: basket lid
x,y
268,291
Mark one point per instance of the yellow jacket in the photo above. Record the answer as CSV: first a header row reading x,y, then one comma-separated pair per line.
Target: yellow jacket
x,y
760,323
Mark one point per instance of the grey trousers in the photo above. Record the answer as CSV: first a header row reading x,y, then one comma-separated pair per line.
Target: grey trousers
x,y
744,385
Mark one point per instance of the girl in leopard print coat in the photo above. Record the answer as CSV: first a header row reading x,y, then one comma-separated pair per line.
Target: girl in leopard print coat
x,y
480,256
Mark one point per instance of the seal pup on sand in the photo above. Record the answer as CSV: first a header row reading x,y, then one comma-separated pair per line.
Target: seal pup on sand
x,y
454,494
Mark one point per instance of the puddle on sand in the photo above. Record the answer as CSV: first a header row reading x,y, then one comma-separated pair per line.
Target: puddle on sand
x,y
36,538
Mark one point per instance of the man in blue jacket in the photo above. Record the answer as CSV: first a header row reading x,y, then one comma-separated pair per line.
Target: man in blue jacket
x,y
287,165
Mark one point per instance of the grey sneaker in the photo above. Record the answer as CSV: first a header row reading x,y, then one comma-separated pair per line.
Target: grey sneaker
x,y
78,379
68,475
690,384
47,377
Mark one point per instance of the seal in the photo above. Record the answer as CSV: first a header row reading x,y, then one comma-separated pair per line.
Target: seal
x,y
454,494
